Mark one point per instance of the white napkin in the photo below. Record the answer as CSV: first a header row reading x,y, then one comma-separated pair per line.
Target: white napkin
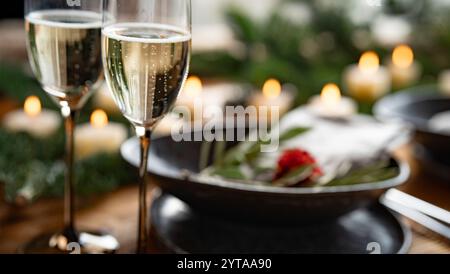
x,y
338,143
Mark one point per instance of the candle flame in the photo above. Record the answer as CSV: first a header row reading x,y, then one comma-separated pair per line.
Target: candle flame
x,y
369,62
331,94
193,86
32,106
99,119
403,56
272,88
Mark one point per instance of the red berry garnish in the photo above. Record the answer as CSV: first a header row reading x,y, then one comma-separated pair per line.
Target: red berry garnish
x,y
296,158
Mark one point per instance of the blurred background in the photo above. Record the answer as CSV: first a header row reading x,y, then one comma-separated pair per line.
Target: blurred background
x,y
306,43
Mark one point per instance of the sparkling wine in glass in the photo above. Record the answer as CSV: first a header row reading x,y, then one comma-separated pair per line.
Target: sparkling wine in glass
x,y
64,49
146,55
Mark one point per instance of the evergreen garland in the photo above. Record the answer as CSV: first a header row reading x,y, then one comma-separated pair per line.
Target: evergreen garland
x,y
273,47
31,168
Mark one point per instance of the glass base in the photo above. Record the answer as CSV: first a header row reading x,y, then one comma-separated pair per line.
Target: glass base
x,y
58,243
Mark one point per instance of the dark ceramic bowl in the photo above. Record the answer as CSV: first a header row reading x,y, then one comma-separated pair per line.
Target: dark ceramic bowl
x,y
416,107
174,163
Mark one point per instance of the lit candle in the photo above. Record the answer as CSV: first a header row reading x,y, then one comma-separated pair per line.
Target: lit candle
x,y
367,81
99,136
404,70
272,95
197,97
33,119
331,104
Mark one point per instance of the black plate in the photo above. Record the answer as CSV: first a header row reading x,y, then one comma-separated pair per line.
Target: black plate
x,y
184,230
417,106
176,165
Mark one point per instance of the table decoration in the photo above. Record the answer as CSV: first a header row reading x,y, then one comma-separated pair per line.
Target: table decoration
x,y
178,174
344,152
340,159
33,119
316,50
405,71
331,104
272,96
37,170
197,96
367,81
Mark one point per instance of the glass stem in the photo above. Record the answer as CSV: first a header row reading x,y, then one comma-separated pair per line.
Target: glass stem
x,y
142,242
69,188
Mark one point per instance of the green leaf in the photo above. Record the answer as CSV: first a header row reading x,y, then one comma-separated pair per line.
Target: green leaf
x,y
234,156
36,169
205,150
219,151
294,177
249,151
292,133
230,172
255,150
376,172
263,169
229,67
243,26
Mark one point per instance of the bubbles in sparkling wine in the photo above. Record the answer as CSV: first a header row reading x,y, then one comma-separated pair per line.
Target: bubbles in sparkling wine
x,y
145,66
65,52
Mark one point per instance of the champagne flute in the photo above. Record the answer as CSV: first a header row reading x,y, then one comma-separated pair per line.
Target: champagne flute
x,y
64,49
146,48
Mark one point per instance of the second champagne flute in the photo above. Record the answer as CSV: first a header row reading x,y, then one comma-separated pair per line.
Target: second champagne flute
x,y
64,48
146,53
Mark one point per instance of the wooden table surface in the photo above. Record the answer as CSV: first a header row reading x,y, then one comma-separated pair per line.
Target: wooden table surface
x,y
117,211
